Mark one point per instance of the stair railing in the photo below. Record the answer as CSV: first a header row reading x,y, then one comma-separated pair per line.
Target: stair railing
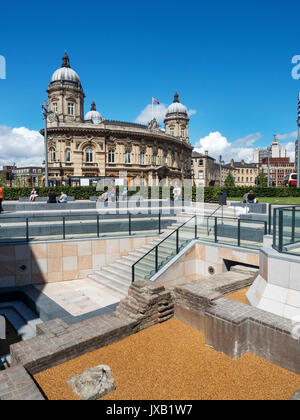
x,y
176,232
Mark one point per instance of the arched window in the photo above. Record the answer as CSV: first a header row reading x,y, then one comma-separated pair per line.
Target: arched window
x,y
52,154
154,159
127,157
68,155
142,158
111,156
89,155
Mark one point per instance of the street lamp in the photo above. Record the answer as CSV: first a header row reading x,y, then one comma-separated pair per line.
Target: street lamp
x,y
51,116
45,113
269,150
220,170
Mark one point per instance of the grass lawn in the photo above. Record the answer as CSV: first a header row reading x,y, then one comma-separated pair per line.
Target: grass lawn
x,y
274,200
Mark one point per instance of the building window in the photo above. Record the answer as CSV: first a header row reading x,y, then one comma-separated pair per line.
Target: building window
x,y
154,158
200,174
164,160
127,157
70,108
55,107
89,155
201,162
111,156
142,158
172,131
182,132
52,154
68,155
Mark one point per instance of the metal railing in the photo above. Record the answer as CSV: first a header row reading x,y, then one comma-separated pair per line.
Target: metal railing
x,y
61,227
286,229
157,261
224,230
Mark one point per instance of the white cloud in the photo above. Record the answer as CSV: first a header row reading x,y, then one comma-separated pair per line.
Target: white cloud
x,y
21,146
216,144
288,136
159,112
290,150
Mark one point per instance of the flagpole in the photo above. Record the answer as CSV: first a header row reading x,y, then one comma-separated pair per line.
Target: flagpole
x,y
152,109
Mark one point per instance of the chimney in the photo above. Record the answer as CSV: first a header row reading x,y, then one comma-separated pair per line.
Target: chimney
x,y
223,162
206,152
232,162
243,162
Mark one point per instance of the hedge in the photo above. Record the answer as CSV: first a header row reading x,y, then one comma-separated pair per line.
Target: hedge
x,y
210,193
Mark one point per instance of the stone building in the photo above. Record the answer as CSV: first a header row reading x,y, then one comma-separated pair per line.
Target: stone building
x,y
206,171
93,147
244,173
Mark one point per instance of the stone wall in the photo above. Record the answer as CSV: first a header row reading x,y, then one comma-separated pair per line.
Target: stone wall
x,y
37,263
195,261
234,328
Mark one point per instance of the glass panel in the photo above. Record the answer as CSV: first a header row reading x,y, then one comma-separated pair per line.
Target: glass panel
x,y
77,227
145,269
186,234
141,224
167,250
45,228
12,229
251,233
227,231
206,228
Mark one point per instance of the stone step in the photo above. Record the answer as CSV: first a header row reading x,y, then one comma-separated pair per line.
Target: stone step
x,y
105,281
115,273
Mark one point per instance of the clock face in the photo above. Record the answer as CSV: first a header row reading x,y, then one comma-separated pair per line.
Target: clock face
x,y
51,117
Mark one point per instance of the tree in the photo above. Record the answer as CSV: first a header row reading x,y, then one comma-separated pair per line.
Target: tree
x,y
229,181
262,179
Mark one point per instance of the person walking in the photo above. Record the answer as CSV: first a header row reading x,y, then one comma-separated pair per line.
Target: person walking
x,y
1,199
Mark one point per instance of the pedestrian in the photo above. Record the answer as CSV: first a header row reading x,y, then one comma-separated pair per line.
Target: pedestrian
x,y
177,192
63,198
1,199
52,198
33,195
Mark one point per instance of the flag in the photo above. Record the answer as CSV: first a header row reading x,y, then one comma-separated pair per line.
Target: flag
x,y
155,101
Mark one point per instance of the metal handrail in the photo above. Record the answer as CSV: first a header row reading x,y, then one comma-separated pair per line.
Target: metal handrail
x,y
63,218
279,211
156,246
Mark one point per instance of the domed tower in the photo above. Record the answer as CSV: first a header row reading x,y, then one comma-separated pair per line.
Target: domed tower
x,y
177,120
65,93
93,116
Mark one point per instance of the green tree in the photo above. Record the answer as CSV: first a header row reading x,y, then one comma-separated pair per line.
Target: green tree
x,y
262,179
229,181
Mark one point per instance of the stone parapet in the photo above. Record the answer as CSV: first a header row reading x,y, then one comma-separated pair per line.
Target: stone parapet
x,y
16,384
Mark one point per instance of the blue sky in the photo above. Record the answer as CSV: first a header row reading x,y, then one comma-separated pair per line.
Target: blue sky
x,y
229,60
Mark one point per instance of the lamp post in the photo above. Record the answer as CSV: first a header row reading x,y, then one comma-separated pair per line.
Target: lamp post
x,y
45,113
298,144
220,170
269,149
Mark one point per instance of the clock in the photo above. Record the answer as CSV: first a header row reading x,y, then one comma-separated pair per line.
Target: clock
x,y
52,117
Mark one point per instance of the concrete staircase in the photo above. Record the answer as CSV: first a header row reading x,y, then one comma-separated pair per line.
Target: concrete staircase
x,y
118,275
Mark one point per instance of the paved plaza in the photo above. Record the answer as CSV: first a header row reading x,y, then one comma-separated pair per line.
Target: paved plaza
x,y
79,297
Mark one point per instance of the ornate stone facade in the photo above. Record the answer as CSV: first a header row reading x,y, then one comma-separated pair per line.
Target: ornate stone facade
x,y
94,147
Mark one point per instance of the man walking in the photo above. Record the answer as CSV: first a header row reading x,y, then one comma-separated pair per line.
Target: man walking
x,y
1,199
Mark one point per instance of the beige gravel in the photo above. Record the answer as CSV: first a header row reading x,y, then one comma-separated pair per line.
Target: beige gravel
x,y
239,296
170,361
